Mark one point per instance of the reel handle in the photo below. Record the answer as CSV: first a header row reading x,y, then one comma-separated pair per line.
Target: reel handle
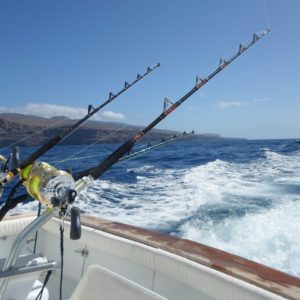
x,y
75,230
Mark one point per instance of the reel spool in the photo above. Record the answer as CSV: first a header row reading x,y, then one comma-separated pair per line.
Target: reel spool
x,y
48,185
55,189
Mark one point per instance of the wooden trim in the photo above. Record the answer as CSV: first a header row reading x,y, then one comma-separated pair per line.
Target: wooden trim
x,y
249,271
254,273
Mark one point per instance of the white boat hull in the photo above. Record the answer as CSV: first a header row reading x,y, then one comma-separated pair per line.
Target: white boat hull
x,y
174,268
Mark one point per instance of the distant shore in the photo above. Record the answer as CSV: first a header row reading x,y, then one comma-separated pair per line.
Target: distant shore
x,y
30,131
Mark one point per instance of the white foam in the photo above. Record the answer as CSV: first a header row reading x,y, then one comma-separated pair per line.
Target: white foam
x,y
264,192
267,233
269,237
155,201
265,229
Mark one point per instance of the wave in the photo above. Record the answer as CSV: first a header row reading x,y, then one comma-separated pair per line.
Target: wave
x,y
269,237
219,204
291,146
248,207
147,203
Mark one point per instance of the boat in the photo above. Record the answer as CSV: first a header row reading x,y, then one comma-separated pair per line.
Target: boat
x,y
117,261
108,260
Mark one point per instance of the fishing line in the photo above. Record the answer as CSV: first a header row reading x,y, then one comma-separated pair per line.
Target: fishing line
x,y
10,203
85,176
36,233
31,135
40,294
61,229
143,146
266,14
90,146
245,42
71,133
77,158
58,138
126,147
230,53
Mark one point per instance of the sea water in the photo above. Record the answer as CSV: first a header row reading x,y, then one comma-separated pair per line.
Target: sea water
x,y
240,196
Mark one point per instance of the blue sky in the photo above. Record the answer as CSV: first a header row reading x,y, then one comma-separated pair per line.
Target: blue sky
x,y
59,56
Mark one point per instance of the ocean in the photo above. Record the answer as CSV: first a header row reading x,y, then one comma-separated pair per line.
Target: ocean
x,y
241,196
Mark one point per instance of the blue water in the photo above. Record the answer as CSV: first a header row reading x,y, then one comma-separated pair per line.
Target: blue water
x,y
237,195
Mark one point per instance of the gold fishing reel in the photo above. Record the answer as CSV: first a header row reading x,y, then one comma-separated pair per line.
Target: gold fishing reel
x,y
50,186
55,189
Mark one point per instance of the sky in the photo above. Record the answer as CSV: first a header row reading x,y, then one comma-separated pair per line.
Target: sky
x,y
57,57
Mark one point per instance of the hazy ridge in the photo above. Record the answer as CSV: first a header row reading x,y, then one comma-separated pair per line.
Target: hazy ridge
x,y
15,127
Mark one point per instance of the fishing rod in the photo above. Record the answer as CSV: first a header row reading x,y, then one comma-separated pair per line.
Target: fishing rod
x,y
56,188
55,140
142,149
11,202
33,134
154,145
107,163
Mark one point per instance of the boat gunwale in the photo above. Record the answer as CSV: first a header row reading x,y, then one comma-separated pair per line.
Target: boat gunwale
x,y
267,278
270,279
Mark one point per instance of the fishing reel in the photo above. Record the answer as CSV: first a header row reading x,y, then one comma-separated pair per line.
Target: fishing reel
x,y
55,189
52,187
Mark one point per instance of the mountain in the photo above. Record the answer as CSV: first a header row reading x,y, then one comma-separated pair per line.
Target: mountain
x,y
33,130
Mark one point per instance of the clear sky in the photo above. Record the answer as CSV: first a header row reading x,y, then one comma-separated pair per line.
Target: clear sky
x,y
60,56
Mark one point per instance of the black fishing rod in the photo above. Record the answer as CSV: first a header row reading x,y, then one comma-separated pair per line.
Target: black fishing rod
x,y
136,152
55,140
107,163
12,202
57,188
154,145
144,148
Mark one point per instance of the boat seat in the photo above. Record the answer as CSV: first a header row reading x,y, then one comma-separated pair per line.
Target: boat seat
x,y
102,284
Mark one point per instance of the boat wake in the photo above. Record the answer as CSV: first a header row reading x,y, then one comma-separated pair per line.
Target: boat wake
x,y
250,209
247,206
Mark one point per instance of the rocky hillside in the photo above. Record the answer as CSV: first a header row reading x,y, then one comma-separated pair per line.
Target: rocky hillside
x,y
15,127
